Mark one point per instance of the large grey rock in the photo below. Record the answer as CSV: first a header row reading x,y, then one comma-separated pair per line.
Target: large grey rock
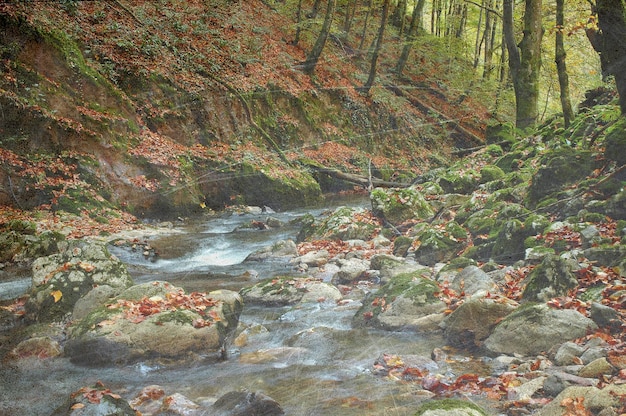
x,y
171,324
472,322
350,270
246,403
61,280
472,280
282,248
533,329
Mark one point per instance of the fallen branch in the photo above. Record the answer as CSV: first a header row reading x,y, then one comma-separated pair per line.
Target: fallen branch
x,y
360,180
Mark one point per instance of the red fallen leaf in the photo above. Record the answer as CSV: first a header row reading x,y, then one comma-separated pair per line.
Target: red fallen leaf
x,y
535,366
368,315
413,373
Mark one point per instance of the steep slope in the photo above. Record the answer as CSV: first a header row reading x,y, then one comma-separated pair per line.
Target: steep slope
x,y
163,107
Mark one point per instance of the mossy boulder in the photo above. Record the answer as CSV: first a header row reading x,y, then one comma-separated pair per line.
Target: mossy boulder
x,y
552,278
456,183
345,223
509,245
437,244
490,173
407,301
155,320
450,407
400,205
615,142
535,328
61,280
559,167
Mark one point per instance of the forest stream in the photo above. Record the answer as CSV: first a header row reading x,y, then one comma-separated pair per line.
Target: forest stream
x,y
308,358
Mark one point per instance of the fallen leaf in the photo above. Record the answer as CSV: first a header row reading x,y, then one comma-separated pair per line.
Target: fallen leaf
x,y
57,295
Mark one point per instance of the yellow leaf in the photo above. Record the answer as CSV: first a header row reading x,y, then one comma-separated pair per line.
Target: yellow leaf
x,y
57,295
202,205
77,406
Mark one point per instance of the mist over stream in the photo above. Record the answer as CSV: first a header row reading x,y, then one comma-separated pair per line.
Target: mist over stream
x,y
307,358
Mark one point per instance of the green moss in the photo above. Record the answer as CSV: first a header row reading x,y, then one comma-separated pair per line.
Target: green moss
x,y
179,316
490,173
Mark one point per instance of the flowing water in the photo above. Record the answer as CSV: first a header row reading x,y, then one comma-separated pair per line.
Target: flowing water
x,y
308,358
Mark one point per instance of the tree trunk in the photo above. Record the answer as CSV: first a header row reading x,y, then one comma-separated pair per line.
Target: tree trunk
x,y
561,68
525,61
415,25
314,56
379,43
296,38
612,43
349,16
366,20
316,7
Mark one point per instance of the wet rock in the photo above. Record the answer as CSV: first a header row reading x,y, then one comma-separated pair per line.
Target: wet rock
x,y
171,324
399,205
472,322
39,347
287,290
552,278
283,248
593,399
97,401
61,280
246,403
407,301
532,329
449,407
314,258
149,400
179,405
350,270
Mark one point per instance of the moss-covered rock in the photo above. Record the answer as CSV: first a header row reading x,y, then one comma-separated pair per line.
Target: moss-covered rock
x,y
400,205
615,142
436,244
407,301
345,223
60,280
490,173
559,167
456,183
552,278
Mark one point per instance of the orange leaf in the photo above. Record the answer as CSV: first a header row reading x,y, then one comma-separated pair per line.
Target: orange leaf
x,y
57,295
77,406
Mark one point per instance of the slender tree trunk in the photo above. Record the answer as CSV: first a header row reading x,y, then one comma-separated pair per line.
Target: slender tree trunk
x,y
525,61
315,10
479,39
366,20
349,17
489,48
379,43
559,58
415,25
296,38
314,56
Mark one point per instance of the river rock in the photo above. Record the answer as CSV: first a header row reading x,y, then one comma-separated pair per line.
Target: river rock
x,y
288,290
97,401
391,266
39,347
597,368
472,322
407,301
593,399
472,280
350,270
449,407
552,278
169,324
246,403
537,328
315,258
604,316
440,244
283,248
345,223
568,353
398,205
61,280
